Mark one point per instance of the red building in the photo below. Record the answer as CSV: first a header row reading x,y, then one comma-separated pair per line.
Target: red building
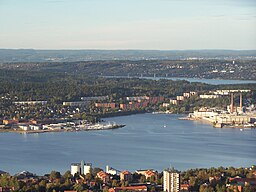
x,y
106,105
184,187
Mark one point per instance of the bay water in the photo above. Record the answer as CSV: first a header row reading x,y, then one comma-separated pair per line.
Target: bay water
x,y
148,141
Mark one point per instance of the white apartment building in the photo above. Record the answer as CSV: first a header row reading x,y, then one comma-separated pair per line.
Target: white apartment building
x,y
171,181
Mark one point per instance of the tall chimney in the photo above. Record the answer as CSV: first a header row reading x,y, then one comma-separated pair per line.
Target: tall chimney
x,y
241,101
232,103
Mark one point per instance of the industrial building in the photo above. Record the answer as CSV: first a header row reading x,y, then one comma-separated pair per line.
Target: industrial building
x,y
235,116
80,168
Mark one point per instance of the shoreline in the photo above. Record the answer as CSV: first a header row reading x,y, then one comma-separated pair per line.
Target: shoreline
x,y
117,126
123,113
216,125
175,78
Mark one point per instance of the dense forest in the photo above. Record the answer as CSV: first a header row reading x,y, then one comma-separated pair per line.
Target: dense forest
x,y
207,68
56,86
25,85
45,85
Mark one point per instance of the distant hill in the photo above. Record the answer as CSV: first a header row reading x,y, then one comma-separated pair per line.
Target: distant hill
x,y
32,55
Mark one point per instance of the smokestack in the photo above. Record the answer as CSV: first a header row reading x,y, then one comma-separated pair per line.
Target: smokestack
x,y
241,101
232,103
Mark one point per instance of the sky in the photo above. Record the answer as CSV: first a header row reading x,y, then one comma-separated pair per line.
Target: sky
x,y
128,24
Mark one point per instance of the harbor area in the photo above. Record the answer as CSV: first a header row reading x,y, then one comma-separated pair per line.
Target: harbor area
x,y
71,126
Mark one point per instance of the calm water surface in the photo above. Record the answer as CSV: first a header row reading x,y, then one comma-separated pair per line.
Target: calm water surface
x,y
148,141
201,80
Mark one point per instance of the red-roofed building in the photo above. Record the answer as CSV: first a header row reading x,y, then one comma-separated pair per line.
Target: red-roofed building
x,y
125,175
184,187
215,178
92,183
150,173
242,182
130,188
103,176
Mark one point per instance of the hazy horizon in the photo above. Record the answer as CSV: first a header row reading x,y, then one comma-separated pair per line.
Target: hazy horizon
x,y
95,49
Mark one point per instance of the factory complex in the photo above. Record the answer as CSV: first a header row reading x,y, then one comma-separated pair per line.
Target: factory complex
x,y
234,116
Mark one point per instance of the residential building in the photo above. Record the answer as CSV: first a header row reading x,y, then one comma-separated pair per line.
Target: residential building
x,y
77,103
106,105
142,171
155,100
184,187
30,102
180,98
35,127
111,170
186,95
134,105
174,101
96,98
24,127
28,127
125,175
192,93
103,176
240,183
148,173
209,96
137,98
228,91
171,182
